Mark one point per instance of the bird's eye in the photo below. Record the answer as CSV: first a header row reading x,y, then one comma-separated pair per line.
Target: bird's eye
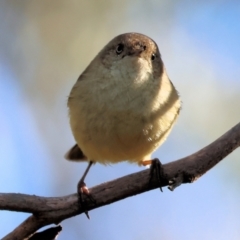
x,y
153,57
119,48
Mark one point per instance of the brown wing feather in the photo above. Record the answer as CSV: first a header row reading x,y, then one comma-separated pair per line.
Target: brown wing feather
x,y
75,154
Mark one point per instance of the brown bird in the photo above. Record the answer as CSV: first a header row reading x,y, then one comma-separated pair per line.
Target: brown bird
x,y
123,105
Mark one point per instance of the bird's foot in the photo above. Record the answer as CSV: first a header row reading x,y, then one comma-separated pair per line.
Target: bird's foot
x,y
155,169
82,189
156,166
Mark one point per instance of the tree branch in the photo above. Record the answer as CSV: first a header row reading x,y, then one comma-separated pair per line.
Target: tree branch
x,y
55,209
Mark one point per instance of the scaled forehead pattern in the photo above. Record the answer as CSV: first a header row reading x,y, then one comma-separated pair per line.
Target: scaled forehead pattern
x,y
135,41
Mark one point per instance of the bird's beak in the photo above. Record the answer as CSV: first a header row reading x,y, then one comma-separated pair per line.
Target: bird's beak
x,y
136,53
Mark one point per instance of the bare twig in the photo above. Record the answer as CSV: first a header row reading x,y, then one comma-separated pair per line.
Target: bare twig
x,y
53,210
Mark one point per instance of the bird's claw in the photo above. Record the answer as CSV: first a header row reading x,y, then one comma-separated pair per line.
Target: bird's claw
x,y
157,167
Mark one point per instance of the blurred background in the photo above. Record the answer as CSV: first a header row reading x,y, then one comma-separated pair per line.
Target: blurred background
x,y
44,47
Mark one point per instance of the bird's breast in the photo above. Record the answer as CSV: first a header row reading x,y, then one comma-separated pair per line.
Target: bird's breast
x,y
116,120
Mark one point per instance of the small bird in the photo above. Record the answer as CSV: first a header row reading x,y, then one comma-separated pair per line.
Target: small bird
x,y
123,105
